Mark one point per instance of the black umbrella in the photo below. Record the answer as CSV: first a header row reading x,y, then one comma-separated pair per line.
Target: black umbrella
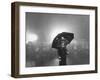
x,y
68,36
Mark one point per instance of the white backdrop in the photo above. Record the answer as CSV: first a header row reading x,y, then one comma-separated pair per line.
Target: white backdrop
x,y
5,41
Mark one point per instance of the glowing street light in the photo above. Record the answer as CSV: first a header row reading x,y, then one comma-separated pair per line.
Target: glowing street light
x,y
56,31
31,37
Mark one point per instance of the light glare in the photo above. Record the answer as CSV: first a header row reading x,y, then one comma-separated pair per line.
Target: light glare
x,y
31,37
55,32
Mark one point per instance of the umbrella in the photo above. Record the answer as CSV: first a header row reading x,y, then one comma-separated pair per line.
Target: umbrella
x,y
66,35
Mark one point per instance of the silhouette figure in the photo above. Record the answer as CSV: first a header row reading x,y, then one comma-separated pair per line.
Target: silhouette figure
x,y
60,43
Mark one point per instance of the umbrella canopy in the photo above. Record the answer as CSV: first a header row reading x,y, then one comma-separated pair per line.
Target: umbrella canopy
x,y
68,36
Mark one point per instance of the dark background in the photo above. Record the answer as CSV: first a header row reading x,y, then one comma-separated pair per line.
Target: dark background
x,y
46,26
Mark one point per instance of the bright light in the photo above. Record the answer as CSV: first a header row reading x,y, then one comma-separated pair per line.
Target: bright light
x,y
31,38
55,32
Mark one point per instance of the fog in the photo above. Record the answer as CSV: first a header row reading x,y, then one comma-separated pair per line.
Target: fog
x,y
45,26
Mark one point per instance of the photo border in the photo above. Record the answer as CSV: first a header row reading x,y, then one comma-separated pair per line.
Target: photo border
x,y
15,39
